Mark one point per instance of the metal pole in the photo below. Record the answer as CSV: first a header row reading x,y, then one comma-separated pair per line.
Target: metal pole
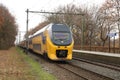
x,y
119,35
19,37
90,41
109,44
27,41
109,37
114,44
118,7
82,37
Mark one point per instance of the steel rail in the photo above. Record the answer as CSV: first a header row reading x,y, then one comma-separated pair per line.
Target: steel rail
x,y
117,68
72,72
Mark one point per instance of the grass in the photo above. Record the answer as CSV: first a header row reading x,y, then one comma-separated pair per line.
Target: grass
x,y
36,68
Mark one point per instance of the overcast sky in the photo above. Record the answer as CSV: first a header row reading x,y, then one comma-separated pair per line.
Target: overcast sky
x,y
18,8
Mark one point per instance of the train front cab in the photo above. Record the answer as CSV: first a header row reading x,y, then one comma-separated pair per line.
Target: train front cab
x,y
58,46
59,52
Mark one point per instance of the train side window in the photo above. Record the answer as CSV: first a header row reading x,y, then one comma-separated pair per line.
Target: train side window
x,y
44,39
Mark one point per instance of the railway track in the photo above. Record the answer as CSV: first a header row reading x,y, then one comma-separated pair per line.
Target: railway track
x,y
117,68
83,73
75,73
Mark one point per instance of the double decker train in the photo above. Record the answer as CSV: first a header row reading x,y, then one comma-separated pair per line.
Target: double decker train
x,y
54,41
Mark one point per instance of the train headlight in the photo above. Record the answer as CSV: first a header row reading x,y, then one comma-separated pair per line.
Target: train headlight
x,y
62,41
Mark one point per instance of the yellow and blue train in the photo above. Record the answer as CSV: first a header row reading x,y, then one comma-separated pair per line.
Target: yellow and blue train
x,y
54,41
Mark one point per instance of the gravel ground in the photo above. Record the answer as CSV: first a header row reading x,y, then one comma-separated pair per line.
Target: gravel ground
x,y
51,68
61,74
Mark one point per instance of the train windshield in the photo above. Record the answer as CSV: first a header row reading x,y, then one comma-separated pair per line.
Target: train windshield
x,y
60,36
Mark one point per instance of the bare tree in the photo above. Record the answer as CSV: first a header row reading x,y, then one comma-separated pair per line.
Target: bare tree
x,y
8,28
79,24
105,21
115,10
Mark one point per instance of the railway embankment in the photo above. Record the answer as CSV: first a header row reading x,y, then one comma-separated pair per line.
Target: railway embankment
x,y
15,65
110,58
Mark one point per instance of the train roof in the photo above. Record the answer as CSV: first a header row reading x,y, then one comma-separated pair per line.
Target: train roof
x,y
40,31
48,27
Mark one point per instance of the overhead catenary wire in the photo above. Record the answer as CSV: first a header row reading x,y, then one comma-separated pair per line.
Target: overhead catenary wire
x,y
44,12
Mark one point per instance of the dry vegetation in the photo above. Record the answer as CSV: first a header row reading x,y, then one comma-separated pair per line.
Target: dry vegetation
x,y
13,66
8,28
16,65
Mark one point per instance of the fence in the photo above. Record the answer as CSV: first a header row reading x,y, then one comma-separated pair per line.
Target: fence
x,y
98,48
